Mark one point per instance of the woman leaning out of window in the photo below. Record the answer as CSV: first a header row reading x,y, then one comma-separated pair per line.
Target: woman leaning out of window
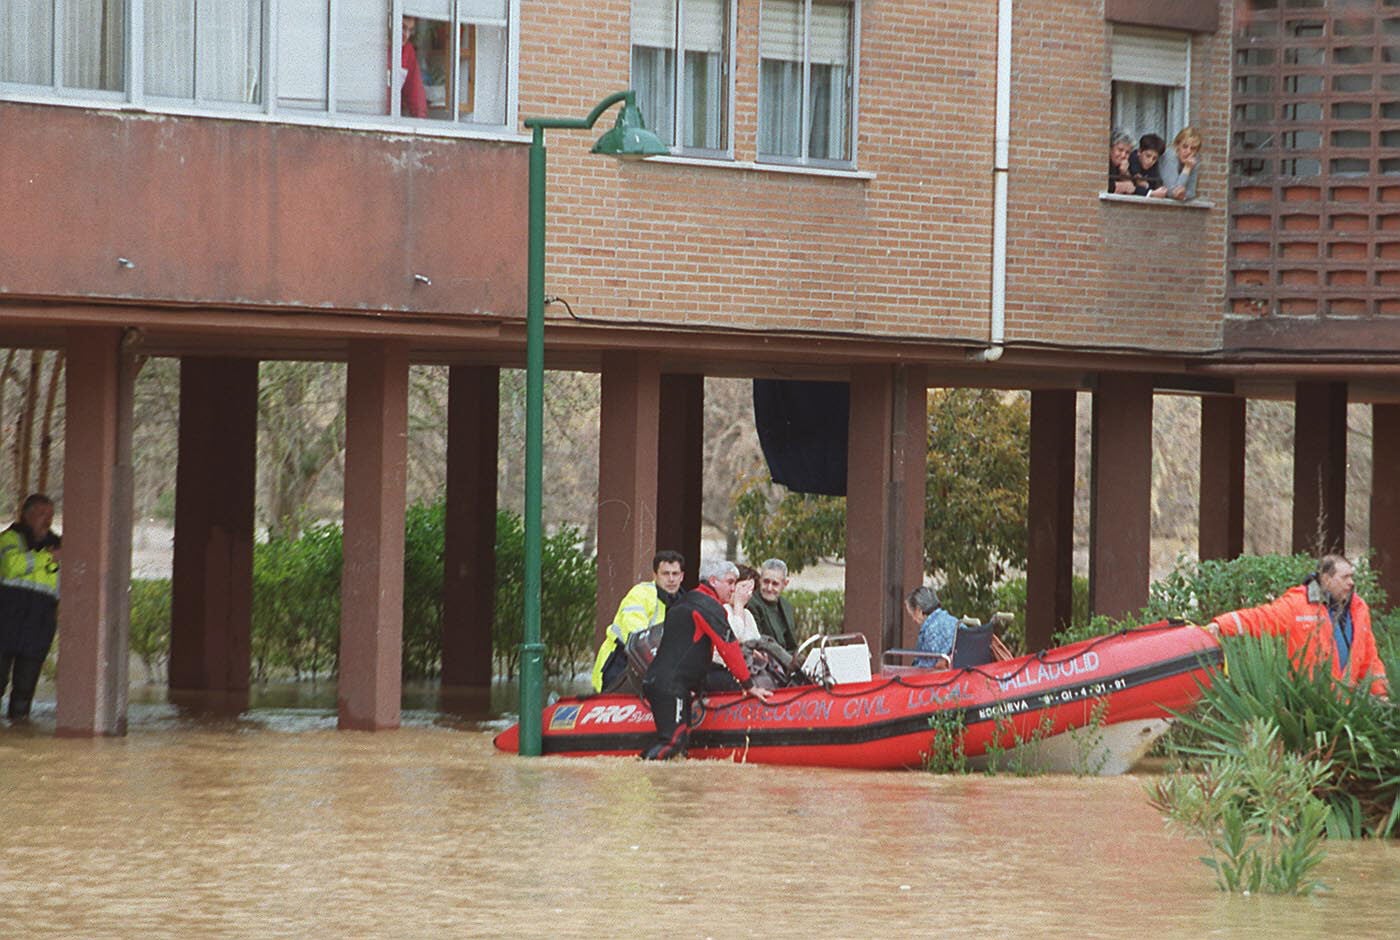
x,y
1181,165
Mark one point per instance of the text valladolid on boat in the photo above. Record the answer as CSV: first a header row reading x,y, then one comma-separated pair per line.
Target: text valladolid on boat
x,y
1095,706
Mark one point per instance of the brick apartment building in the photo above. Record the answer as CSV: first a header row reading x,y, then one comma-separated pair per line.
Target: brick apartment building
x,y
897,194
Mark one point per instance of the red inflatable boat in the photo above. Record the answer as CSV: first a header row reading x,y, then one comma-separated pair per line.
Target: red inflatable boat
x,y
1091,707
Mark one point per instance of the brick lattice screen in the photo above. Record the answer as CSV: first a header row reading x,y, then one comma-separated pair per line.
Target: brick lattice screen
x,y
1315,158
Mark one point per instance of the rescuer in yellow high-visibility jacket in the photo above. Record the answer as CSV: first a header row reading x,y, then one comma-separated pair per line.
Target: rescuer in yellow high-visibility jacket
x,y
29,553
644,606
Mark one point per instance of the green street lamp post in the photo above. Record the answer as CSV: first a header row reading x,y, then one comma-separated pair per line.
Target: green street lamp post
x,y
629,138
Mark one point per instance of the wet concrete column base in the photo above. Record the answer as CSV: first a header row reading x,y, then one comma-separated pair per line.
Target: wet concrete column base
x,y
469,552
1120,514
211,605
629,428
1385,497
886,472
93,617
680,469
371,613
1221,533
1050,549
1319,467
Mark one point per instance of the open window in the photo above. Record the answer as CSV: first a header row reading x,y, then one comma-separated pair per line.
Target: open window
x,y
341,58
1151,82
460,49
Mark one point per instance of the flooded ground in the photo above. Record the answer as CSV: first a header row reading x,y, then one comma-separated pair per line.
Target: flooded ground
x,y
272,824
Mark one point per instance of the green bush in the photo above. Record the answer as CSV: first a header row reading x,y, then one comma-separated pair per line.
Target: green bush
x,y
1254,802
1201,590
1198,591
1010,596
150,623
568,599
296,621
1314,714
424,545
817,611
296,603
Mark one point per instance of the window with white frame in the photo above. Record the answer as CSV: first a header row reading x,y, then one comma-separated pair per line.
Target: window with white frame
x,y
688,108
70,44
807,80
1151,78
457,58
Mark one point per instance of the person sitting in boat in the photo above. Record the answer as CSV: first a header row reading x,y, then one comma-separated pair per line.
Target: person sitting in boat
x,y
1323,620
694,628
772,612
759,650
644,606
938,629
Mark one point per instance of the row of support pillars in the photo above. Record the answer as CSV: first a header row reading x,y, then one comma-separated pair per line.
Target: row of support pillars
x,y
649,496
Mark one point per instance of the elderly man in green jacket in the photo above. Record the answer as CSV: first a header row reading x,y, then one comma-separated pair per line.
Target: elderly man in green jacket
x,y
771,611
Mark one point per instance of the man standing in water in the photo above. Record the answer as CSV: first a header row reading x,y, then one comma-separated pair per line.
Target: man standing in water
x,y
644,606
1323,620
29,553
695,628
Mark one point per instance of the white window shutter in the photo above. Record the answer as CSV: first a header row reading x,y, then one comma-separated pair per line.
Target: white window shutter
x,y
704,25
1150,57
780,30
654,23
483,11
831,34
428,9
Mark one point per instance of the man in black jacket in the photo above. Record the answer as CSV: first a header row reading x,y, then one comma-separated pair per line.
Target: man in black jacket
x,y
694,629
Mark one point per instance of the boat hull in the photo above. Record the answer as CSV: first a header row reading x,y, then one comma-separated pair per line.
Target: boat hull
x,y
1063,702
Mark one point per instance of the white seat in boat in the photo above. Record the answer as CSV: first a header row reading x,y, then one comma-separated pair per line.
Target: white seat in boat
x,y
836,659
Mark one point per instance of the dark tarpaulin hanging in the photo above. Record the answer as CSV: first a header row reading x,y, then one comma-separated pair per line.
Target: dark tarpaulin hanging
x,y
802,427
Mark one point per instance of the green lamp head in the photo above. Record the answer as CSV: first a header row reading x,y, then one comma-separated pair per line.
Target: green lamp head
x,y
629,138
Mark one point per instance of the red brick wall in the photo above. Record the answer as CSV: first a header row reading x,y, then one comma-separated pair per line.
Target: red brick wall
x,y
1082,270
906,253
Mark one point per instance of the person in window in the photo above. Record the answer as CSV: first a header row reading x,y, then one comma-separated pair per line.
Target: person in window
x,y
1179,166
1120,180
1144,168
413,100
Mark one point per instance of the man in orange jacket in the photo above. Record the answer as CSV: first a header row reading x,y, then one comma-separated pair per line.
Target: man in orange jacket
x,y
1322,620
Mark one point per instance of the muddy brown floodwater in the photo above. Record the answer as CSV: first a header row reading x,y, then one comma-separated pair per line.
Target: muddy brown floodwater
x,y
273,824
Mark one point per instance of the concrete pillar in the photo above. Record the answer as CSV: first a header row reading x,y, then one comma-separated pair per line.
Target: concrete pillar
x,y
681,469
627,472
886,471
1221,532
1050,548
469,552
93,618
1320,467
211,605
1385,497
371,593
1120,516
